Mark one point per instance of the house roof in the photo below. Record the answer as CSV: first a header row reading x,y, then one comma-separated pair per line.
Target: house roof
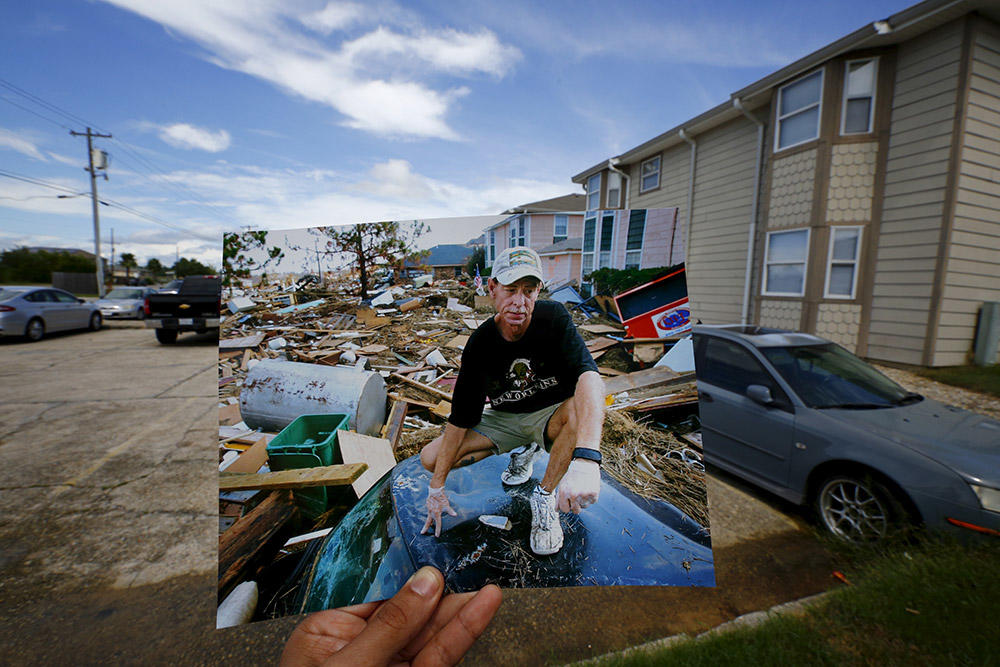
x,y
564,246
563,204
445,255
900,27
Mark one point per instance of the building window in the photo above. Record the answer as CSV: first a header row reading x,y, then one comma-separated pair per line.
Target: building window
x,y
560,228
842,262
633,243
614,190
493,246
587,255
649,174
607,236
517,232
859,97
799,110
594,192
785,263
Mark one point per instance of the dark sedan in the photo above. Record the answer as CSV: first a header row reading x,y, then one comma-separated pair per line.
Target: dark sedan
x,y
621,540
807,420
34,311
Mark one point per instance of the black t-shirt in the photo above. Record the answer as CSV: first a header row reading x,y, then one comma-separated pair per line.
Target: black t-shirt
x,y
538,370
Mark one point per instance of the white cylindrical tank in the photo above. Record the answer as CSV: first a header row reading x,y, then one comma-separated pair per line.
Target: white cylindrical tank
x,y
276,392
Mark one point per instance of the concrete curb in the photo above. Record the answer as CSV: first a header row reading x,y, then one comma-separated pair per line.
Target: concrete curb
x,y
748,620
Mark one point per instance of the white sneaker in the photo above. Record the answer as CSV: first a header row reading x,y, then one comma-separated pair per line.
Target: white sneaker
x,y
546,532
521,461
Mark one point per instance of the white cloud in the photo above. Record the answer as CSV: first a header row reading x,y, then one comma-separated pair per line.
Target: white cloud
x,y
335,16
373,80
13,141
183,135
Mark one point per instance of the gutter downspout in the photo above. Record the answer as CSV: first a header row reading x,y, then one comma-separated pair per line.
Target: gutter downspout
x,y
745,310
612,166
690,196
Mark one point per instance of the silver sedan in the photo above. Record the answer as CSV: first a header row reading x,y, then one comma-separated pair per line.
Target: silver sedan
x,y
124,302
34,311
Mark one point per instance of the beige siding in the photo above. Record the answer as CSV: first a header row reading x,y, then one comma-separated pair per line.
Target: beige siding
x,y
540,230
659,230
723,198
839,322
923,109
792,184
781,314
973,274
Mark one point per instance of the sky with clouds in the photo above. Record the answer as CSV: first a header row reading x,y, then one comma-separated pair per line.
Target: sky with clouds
x,y
291,113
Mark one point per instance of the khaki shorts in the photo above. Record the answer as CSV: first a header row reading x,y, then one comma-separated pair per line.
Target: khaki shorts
x,y
510,430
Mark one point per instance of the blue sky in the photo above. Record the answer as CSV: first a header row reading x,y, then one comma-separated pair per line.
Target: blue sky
x,y
292,113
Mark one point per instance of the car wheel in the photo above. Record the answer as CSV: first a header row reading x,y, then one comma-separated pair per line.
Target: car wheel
x,y
140,313
95,322
166,336
34,330
858,508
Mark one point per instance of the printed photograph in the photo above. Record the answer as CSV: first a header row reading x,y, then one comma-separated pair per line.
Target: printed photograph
x,y
510,399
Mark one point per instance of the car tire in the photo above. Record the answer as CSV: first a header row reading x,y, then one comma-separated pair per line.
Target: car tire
x,y
95,322
140,313
859,508
166,336
34,331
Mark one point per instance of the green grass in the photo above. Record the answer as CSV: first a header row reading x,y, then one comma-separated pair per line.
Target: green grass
x,y
980,378
933,603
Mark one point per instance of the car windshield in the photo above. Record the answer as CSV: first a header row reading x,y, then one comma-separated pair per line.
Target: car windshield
x,y
119,293
828,376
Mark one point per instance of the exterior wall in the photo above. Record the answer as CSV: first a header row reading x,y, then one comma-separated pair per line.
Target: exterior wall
x,y
663,239
723,197
783,314
914,198
792,191
540,230
839,322
852,182
560,268
540,227
973,268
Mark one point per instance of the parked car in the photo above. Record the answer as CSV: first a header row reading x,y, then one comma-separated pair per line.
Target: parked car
x,y
623,539
34,311
125,302
194,306
807,420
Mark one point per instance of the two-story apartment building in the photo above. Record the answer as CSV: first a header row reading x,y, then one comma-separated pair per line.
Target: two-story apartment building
x,y
551,227
854,193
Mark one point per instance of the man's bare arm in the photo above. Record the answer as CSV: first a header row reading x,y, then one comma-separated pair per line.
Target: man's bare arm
x,y
589,400
451,442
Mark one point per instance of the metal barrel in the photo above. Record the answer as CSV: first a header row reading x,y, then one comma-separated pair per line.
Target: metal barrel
x,y
276,392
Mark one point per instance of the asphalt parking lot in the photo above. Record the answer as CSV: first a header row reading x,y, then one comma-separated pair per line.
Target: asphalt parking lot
x,y
108,521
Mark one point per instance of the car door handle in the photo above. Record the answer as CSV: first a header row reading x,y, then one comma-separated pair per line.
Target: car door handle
x,y
705,395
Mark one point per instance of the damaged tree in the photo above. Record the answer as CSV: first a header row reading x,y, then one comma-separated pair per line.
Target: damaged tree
x,y
371,244
238,252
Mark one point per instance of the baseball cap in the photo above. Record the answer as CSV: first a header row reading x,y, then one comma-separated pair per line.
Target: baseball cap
x,y
516,263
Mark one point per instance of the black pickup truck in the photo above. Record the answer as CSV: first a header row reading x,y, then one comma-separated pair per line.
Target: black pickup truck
x,y
195,306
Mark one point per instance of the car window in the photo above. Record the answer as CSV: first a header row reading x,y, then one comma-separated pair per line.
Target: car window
x,y
729,366
62,297
41,296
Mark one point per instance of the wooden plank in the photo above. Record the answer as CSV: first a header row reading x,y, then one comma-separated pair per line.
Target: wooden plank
x,y
252,459
394,425
601,343
376,453
600,328
229,354
651,377
472,323
458,342
606,370
420,385
254,538
300,478
241,342
412,401
442,409
230,415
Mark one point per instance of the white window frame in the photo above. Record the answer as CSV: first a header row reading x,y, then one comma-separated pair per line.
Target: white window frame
x,y
843,102
605,258
818,104
804,262
592,254
556,219
830,261
492,250
659,169
617,201
594,191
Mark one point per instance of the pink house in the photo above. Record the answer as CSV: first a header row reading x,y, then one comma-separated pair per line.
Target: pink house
x,y
552,227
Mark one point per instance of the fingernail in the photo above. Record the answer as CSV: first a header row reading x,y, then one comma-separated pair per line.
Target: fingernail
x,y
423,582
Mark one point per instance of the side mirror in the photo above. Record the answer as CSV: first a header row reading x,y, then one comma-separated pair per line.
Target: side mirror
x,y
760,394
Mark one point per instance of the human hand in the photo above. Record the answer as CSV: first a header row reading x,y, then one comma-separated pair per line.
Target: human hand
x,y
437,502
416,626
579,487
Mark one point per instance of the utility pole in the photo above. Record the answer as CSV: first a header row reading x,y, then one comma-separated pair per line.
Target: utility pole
x,y
112,258
319,271
93,198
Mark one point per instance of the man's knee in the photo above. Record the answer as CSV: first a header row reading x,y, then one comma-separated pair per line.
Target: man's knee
x,y
428,455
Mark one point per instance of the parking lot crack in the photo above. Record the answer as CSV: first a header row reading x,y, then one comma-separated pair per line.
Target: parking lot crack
x,y
189,377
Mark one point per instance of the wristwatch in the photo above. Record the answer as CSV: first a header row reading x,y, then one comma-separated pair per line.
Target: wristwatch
x,y
587,454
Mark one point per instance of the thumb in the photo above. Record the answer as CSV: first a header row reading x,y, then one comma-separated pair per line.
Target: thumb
x,y
397,621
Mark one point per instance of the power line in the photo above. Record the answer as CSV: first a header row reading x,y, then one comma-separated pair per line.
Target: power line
x,y
71,117
36,181
31,111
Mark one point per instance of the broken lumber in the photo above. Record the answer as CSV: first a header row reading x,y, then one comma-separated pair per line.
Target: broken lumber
x,y
374,453
299,478
394,425
253,538
651,377
424,387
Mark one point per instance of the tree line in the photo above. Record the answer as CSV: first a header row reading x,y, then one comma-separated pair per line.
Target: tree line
x,y
22,265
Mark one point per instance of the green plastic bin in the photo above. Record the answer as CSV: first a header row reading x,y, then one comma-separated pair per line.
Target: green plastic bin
x,y
308,442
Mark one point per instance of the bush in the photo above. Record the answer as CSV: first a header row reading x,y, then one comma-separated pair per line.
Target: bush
x,y
615,281
22,265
